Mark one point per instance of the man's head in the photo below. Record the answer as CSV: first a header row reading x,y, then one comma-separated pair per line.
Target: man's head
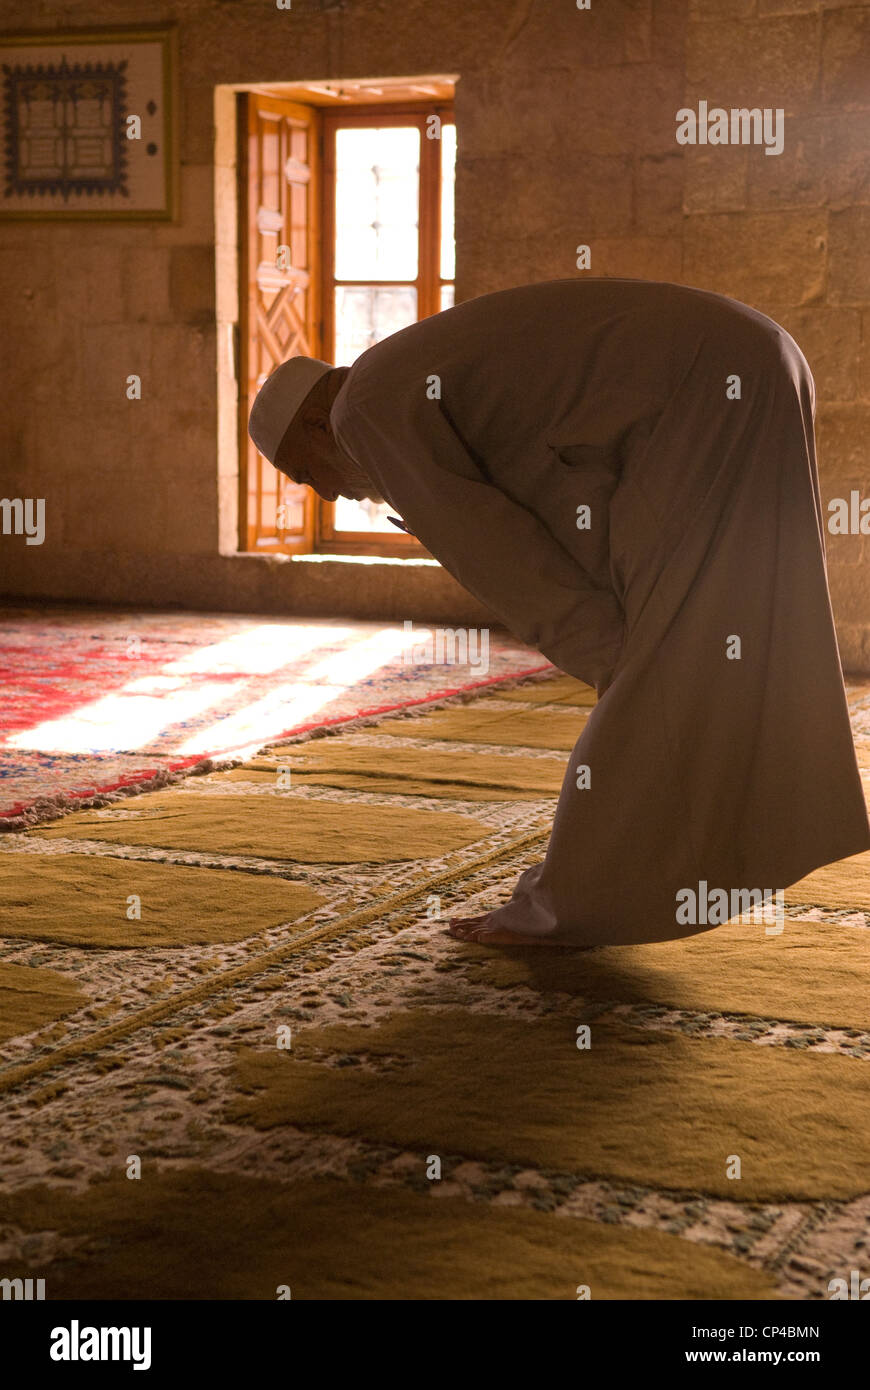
x,y
290,425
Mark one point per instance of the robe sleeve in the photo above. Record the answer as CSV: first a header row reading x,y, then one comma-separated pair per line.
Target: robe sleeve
x,y
497,549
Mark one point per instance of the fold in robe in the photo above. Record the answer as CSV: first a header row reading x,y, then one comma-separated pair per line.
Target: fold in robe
x,y
486,427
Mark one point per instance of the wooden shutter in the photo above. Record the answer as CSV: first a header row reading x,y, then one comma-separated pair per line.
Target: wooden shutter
x,y
281,313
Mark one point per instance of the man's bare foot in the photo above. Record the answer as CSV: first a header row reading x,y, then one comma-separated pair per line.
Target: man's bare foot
x,y
477,930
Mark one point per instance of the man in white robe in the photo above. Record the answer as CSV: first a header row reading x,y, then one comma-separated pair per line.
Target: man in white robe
x,y
624,472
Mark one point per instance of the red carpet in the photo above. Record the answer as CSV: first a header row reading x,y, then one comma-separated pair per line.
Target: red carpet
x,y
97,700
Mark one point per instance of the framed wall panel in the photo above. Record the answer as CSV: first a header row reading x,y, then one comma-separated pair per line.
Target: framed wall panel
x,y
87,125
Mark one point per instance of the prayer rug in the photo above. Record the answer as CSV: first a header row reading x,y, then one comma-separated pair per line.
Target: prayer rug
x,y
494,724
361,764
231,1237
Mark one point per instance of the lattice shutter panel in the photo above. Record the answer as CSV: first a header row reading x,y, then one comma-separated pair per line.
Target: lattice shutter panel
x,y
282,313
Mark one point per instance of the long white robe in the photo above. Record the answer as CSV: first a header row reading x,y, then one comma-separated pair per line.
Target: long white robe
x,y
684,421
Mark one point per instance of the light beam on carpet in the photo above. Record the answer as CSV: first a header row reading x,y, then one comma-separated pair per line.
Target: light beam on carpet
x,y
298,702
132,717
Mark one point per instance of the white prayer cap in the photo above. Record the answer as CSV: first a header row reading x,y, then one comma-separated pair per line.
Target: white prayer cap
x,y
278,400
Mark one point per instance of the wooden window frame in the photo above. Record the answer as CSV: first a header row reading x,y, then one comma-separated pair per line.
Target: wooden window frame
x,y
428,284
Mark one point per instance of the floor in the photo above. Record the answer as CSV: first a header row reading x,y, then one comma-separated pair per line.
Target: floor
x,y
405,1044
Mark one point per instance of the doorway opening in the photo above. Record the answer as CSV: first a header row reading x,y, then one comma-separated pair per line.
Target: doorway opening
x,y
342,235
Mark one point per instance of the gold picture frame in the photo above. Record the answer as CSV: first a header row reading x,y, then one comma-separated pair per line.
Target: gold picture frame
x,y
70,150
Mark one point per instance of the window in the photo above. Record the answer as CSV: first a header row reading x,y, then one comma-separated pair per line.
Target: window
x,y
362,201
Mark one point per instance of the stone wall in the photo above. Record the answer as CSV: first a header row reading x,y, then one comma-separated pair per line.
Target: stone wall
x,y
567,126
